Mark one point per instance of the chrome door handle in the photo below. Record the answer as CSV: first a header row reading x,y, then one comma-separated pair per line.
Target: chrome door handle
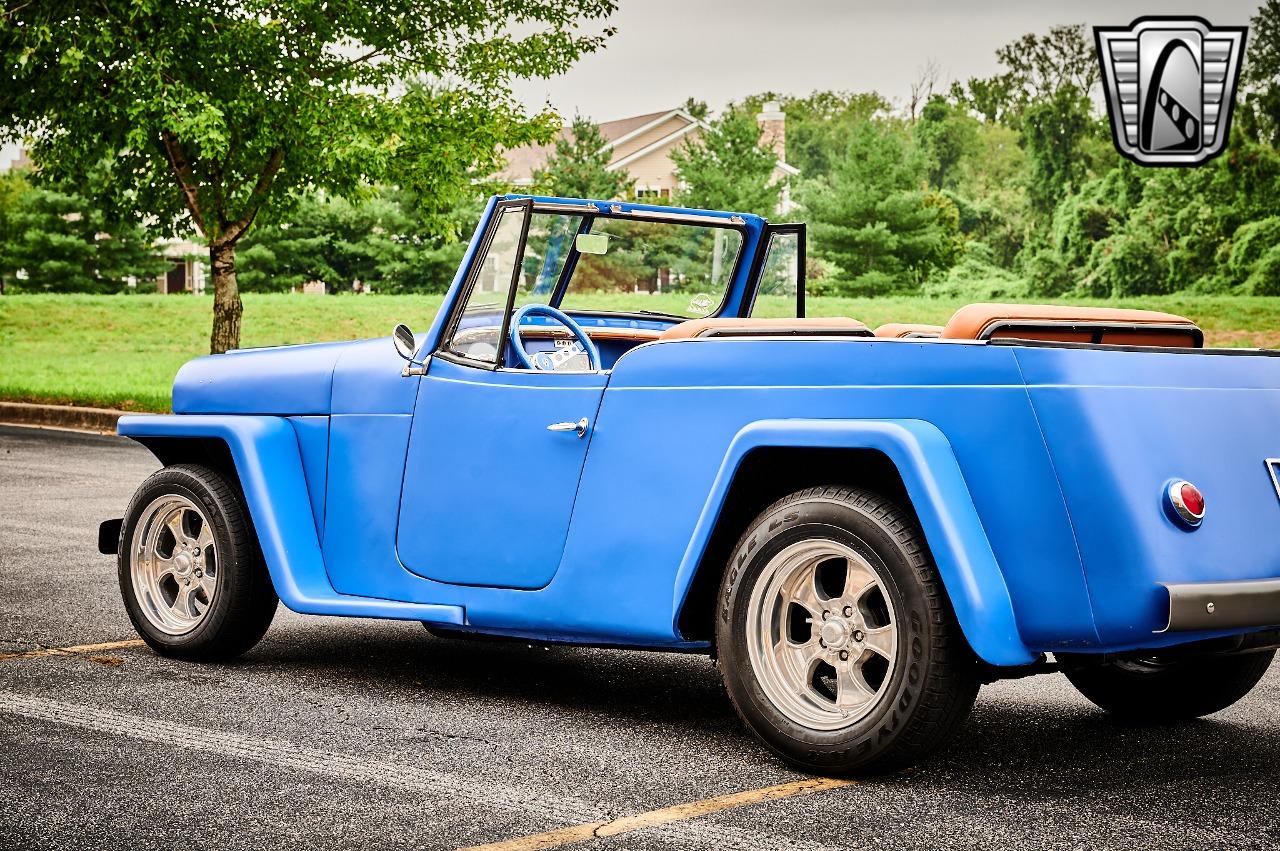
x,y
580,426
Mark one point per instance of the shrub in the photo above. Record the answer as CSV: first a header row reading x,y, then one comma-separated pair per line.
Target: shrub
x,y
976,279
1265,278
1047,274
1250,242
1128,264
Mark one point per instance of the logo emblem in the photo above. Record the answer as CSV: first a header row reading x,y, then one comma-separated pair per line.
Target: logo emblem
x,y
1170,85
1273,467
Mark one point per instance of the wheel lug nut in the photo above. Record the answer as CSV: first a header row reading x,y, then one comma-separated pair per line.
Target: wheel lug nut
x,y
844,655
826,615
857,635
848,611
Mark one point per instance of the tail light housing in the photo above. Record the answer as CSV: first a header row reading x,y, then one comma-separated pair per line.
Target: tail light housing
x,y
1184,503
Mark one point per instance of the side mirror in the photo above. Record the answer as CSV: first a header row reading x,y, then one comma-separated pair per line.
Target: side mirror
x,y
407,348
402,338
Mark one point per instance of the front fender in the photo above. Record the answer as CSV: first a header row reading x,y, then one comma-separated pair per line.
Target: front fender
x,y
269,464
940,496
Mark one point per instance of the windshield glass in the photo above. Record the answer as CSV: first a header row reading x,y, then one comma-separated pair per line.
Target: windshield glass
x,y
628,265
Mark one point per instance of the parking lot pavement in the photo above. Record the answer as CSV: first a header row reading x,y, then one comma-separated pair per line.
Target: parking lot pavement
x,y
356,733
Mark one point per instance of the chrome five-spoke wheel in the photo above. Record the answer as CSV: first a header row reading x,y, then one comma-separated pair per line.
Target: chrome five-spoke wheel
x,y
175,564
834,635
821,634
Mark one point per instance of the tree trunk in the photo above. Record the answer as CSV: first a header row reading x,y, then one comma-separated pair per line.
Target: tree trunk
x,y
226,298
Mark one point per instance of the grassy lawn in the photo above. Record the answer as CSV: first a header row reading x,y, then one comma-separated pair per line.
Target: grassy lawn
x,y
123,351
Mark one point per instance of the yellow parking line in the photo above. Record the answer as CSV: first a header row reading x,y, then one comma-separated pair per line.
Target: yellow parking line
x,y
667,815
73,651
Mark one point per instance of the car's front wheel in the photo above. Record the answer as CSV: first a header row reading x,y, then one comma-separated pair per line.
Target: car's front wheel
x,y
1166,688
190,571
836,639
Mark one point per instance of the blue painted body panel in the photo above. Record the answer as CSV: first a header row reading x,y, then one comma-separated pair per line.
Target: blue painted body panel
x,y
1035,472
265,450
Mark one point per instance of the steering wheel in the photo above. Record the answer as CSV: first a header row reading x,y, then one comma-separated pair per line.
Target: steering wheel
x,y
588,347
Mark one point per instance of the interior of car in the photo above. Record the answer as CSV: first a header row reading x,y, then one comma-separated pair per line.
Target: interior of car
x,y
586,288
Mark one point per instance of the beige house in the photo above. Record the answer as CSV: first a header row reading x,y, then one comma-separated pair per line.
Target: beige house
x,y
642,145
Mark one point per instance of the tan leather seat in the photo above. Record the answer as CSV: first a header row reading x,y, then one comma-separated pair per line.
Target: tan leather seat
x,y
1069,324
836,326
908,330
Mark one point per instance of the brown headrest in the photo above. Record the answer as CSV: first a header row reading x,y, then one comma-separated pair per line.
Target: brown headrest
x,y
900,330
839,326
1070,324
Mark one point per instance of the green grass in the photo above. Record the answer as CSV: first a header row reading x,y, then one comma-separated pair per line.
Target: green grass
x,y
123,351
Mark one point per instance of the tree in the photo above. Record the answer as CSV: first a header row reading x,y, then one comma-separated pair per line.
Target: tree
x,y
1262,74
1038,68
922,88
377,239
872,217
13,185
727,168
948,135
1052,132
61,242
819,126
697,108
206,115
579,166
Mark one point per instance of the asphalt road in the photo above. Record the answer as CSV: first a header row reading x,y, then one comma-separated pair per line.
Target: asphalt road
x,y
355,733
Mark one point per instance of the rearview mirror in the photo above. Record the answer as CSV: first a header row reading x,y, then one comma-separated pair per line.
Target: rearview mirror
x,y
402,338
592,243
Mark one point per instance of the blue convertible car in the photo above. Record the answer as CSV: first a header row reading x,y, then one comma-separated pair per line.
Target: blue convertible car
x,y
622,429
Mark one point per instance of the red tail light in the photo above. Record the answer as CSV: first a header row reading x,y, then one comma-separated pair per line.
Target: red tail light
x,y
1185,503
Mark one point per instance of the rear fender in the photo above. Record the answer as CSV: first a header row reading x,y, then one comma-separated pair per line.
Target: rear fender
x,y
940,497
268,463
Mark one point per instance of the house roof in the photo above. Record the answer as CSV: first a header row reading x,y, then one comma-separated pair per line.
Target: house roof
x,y
524,161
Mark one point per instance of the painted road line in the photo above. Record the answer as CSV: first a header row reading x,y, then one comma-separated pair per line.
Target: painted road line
x,y
461,788
73,651
665,816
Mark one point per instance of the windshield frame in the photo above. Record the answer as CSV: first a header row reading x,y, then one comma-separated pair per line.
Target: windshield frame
x,y
591,211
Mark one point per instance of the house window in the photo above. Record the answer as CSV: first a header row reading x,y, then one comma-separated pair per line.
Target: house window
x,y
645,193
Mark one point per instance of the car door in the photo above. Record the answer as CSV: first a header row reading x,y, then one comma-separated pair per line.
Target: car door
x,y
495,454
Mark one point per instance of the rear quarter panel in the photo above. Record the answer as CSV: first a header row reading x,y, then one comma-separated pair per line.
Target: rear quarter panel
x,y
672,409
1120,425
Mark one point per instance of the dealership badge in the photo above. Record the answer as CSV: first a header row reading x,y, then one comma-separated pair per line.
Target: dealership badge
x,y
1170,85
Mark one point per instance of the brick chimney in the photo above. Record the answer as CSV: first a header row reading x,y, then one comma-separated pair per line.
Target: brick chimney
x,y
773,128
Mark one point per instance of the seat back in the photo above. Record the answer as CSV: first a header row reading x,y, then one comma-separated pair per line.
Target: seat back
x,y
908,330
836,326
1070,324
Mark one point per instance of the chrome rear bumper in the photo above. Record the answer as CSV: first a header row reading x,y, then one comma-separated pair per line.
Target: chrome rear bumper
x,y
1222,605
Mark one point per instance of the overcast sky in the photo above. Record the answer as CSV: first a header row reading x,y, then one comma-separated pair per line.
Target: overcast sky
x,y
722,50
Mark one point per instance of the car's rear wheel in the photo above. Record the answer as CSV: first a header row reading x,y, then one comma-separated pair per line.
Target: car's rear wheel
x,y
190,571
1161,689
837,642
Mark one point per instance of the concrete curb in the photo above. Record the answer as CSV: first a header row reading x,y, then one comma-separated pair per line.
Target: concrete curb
x,y
101,420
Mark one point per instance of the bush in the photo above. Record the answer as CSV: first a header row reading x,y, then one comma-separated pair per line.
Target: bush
x,y
1265,279
1250,242
1047,274
871,283
975,278
1128,264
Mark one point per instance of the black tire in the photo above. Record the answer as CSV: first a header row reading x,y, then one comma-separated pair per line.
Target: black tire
x,y
1166,690
925,694
244,601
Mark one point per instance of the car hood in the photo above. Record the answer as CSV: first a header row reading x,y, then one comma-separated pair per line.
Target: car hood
x,y
285,380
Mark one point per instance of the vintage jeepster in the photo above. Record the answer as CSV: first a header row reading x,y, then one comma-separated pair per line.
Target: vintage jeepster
x,y
622,429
